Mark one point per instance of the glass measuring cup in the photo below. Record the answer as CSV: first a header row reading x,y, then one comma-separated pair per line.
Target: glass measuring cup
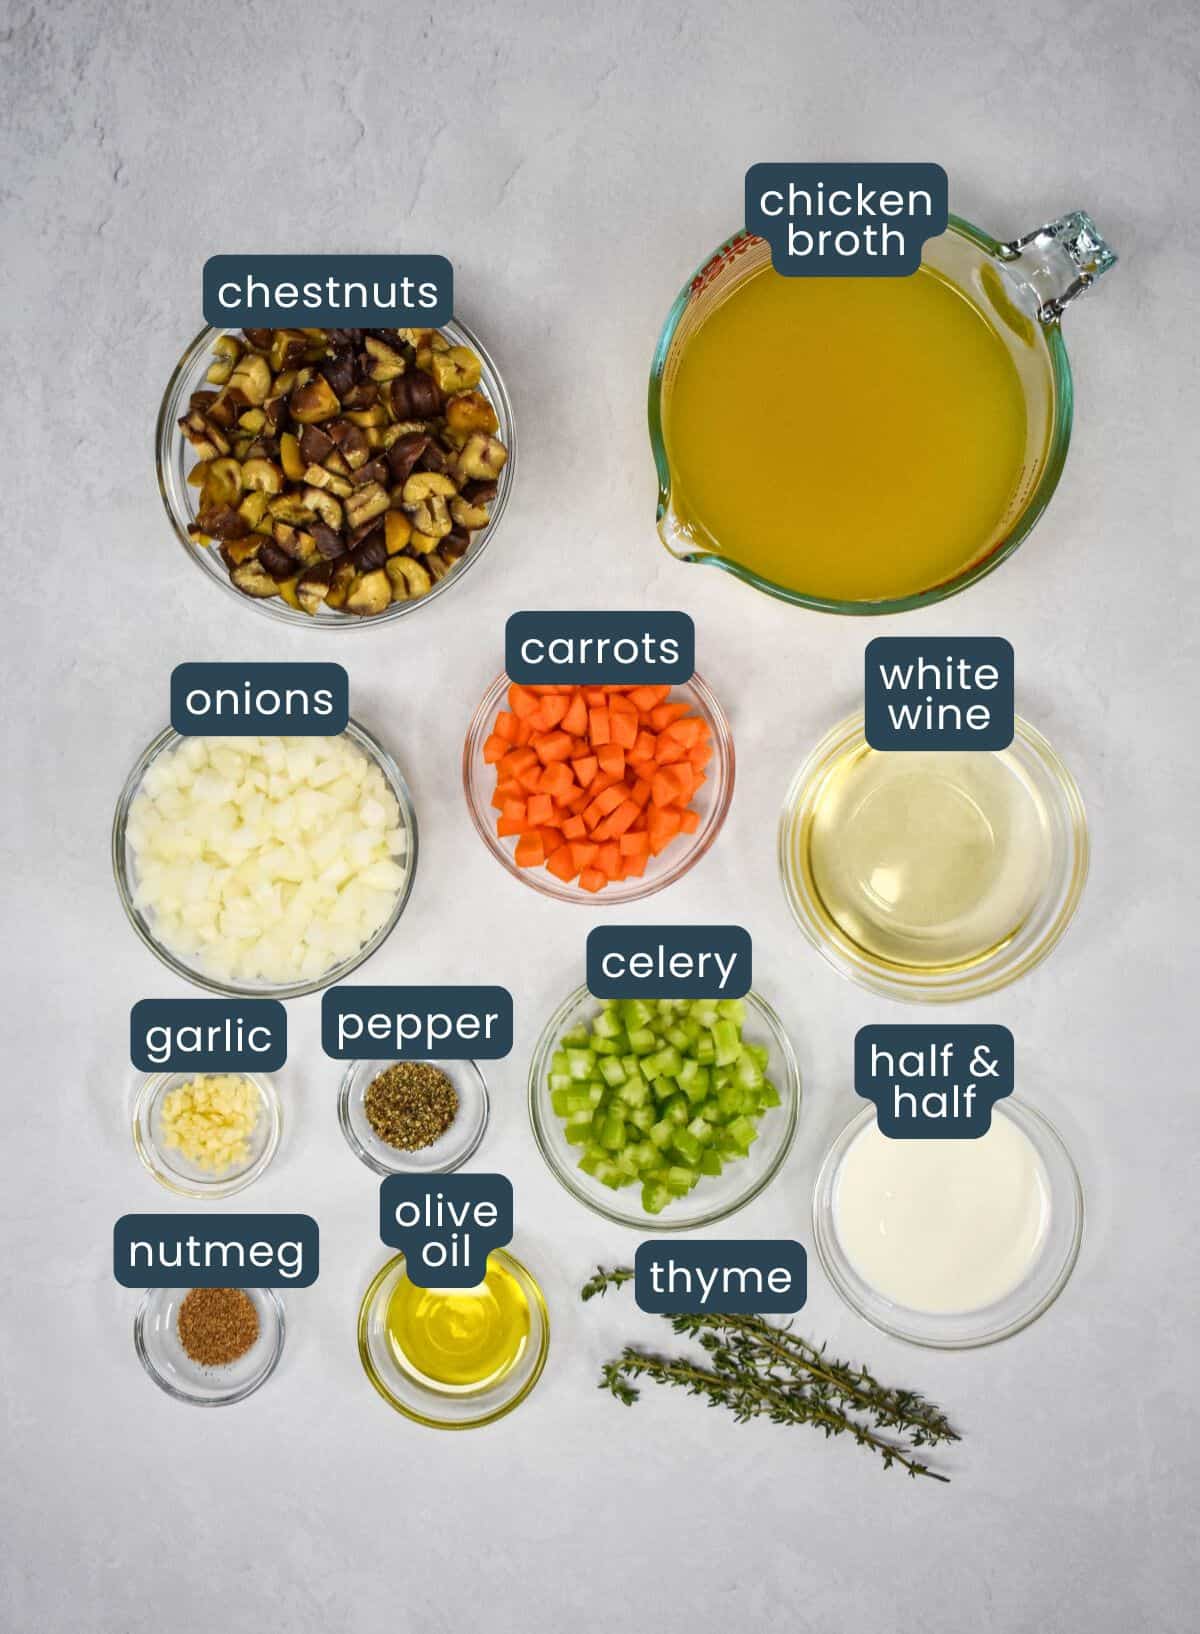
x,y
1021,288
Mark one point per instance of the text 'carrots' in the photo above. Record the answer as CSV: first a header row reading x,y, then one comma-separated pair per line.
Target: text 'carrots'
x,y
592,782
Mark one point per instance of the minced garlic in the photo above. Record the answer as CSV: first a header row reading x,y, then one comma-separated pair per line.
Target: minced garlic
x,y
210,1119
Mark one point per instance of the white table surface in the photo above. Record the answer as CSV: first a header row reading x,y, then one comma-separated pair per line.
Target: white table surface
x,y
575,163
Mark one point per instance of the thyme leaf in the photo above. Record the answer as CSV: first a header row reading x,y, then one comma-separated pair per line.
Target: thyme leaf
x,y
756,1369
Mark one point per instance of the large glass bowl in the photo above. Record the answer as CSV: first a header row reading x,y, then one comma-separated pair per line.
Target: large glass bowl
x,y
1036,763
712,803
715,1197
1044,1279
450,1409
123,872
175,457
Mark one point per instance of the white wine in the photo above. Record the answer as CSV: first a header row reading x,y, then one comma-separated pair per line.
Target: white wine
x,y
926,861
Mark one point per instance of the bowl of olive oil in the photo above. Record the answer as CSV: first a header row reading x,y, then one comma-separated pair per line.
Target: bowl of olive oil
x,y
933,876
868,445
454,1358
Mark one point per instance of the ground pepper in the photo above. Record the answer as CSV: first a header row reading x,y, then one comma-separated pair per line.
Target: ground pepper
x,y
410,1105
217,1325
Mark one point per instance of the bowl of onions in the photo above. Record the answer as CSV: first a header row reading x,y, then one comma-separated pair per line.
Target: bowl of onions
x,y
264,866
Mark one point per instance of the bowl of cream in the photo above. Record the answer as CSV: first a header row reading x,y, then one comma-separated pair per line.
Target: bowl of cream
x,y
947,1242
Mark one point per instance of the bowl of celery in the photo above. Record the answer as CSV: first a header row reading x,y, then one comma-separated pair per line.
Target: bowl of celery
x,y
670,1113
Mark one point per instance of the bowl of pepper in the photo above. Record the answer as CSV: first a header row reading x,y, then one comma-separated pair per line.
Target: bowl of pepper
x,y
413,1117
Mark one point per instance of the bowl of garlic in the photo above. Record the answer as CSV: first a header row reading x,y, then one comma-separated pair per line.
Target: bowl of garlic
x,y
264,867
206,1134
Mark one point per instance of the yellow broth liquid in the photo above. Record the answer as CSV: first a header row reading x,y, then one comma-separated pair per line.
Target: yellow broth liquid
x,y
459,1338
850,439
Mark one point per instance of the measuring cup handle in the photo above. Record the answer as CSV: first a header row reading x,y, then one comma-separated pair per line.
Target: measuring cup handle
x,y
1060,261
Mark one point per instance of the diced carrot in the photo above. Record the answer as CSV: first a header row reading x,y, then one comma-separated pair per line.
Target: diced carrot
x,y
554,709
506,725
557,780
530,779
700,756
521,702
506,789
598,729
551,838
689,822
591,879
552,746
612,760
574,828
517,761
575,720
608,860
514,810
583,853
540,809
595,697
530,851
664,791
662,824
561,864
494,749
644,745
641,792
604,802
647,698
623,818
635,865
624,729
670,750
585,770
634,844
663,714
689,730
506,827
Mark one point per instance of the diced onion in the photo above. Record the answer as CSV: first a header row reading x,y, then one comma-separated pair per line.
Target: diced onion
x,y
266,859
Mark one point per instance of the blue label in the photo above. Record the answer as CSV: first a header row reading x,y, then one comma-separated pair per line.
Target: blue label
x,y
208,1035
599,649
759,1276
339,291
948,692
413,1023
933,1082
216,1251
246,700
846,221
669,962
446,1225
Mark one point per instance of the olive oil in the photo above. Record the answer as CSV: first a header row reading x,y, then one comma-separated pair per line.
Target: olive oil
x,y
459,1339
849,439
928,861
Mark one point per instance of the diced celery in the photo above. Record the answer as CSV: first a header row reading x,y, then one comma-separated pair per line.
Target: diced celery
x,y
726,1041
680,1180
710,1162
612,1132
686,1147
559,1101
581,1062
611,1070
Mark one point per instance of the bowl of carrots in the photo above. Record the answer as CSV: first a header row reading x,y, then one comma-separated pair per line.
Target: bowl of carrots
x,y
598,793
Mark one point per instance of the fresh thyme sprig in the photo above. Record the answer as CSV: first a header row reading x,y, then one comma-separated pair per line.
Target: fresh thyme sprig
x,y
756,1369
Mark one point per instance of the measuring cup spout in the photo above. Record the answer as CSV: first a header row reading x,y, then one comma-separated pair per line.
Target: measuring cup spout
x,y
1059,261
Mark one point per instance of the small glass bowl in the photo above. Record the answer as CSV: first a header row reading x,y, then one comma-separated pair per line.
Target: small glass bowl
x,y
156,1340
1042,928
175,457
446,1154
171,1169
715,1197
1044,1280
712,803
450,1409
123,872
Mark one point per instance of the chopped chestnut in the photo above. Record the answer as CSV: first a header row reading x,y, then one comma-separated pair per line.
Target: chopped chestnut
x,y
341,468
